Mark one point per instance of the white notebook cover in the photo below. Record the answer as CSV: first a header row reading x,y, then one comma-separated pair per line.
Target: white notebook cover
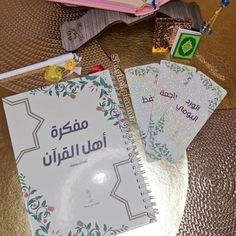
x,y
78,169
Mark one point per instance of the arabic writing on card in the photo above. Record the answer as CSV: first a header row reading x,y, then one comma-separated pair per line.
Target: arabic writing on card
x,y
168,94
191,106
67,128
146,99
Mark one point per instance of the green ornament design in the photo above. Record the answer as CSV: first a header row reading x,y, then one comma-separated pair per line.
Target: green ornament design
x,y
72,87
149,70
189,75
174,67
157,150
187,46
36,208
97,84
143,136
95,230
40,212
209,85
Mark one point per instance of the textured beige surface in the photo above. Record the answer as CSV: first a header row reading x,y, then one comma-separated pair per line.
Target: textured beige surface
x,y
211,201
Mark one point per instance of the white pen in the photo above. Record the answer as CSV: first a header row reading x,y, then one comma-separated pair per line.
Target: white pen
x,y
51,61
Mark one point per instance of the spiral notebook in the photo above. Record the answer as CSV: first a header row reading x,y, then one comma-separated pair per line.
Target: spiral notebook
x,y
78,168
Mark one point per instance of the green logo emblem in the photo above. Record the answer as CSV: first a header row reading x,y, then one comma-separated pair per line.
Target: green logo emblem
x,y
187,46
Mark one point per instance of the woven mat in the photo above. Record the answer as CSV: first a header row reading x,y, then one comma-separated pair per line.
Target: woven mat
x,y
211,200
29,31
24,19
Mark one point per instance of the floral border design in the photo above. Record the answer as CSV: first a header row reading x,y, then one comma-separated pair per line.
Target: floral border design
x,y
70,88
97,83
143,72
175,67
36,207
41,212
143,136
154,149
88,230
179,69
189,74
210,85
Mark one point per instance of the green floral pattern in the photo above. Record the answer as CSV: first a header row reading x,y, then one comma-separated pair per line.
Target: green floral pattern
x,y
157,150
41,212
89,230
209,85
180,69
36,208
71,87
96,83
174,67
189,75
143,136
149,70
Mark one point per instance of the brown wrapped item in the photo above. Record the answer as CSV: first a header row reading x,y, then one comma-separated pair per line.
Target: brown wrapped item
x,y
211,200
166,30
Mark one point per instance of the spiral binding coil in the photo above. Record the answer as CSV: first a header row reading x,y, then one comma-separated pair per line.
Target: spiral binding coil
x,y
142,183
135,160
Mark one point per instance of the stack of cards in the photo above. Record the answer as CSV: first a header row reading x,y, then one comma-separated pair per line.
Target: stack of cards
x,y
172,102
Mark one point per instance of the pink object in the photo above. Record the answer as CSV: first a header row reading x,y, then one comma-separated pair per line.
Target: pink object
x,y
50,208
137,7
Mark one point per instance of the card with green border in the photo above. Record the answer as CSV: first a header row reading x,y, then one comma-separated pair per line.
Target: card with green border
x,y
185,44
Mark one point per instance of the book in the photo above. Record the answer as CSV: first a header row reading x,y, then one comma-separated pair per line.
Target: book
x,y
78,167
137,7
185,44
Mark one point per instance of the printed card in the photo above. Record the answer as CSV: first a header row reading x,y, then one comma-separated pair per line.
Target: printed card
x,y
177,127
142,81
172,80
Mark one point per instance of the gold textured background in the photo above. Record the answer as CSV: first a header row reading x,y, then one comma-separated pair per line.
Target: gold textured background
x,y
216,58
